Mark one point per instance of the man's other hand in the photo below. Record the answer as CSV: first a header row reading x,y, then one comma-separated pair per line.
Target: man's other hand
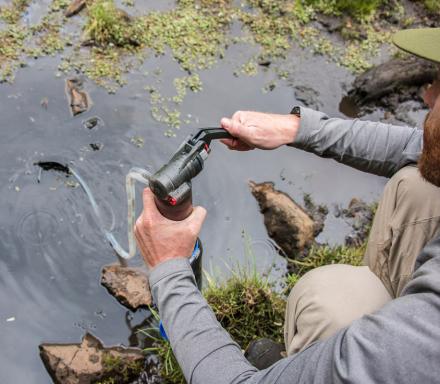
x,y
260,130
160,239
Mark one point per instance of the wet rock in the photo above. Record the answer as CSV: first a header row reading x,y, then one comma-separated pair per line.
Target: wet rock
x,y
286,222
96,146
92,122
79,100
392,83
75,7
151,375
317,212
90,362
331,23
128,285
360,216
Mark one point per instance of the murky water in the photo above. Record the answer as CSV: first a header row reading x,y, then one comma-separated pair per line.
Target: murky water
x,y
51,249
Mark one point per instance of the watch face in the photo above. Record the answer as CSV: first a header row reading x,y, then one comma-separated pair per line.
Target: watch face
x,y
296,111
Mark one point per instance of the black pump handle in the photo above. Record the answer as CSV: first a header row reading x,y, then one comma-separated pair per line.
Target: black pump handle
x,y
208,134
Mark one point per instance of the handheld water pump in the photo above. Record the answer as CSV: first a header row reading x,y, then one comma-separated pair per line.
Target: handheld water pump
x,y
171,184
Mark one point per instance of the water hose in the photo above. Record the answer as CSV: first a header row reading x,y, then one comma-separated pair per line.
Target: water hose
x,y
135,174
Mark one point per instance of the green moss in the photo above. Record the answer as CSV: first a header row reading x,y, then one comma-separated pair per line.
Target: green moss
x,y
118,371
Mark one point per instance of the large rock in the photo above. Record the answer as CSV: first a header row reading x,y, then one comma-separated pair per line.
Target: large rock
x,y
128,285
394,86
391,77
89,362
286,222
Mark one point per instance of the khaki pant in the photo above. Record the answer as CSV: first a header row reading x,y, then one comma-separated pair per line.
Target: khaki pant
x,y
329,298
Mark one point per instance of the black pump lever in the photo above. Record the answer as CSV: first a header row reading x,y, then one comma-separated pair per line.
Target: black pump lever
x,y
208,134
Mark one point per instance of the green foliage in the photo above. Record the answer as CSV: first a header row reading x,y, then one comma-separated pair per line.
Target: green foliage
x,y
432,5
108,25
357,9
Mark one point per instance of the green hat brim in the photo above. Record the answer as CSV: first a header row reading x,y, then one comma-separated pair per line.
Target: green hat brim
x,y
423,42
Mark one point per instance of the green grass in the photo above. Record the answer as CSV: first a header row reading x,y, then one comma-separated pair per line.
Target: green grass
x,y
324,255
108,25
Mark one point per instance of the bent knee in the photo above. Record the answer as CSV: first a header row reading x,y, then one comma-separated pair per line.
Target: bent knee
x,y
329,298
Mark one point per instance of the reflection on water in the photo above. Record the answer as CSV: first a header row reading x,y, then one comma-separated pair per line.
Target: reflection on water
x,y
348,107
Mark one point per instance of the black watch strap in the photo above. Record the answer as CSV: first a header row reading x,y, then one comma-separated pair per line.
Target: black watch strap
x,y
296,110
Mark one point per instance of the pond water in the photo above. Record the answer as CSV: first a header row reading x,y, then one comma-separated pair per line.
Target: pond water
x,y
51,248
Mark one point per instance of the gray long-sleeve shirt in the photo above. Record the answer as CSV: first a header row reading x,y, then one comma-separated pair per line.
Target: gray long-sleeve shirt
x,y
400,343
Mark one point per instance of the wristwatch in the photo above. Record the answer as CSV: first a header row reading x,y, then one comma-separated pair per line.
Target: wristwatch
x,y
296,110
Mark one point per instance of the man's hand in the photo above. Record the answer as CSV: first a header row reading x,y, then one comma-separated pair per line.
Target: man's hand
x,y
160,239
260,130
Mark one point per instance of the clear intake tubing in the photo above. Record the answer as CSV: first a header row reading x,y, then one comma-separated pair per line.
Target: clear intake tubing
x,y
135,174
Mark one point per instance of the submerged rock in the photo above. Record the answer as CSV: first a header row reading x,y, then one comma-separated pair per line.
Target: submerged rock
x,y
93,122
79,99
76,6
128,285
286,222
90,362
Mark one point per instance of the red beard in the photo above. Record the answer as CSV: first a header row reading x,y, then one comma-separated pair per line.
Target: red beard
x,y
429,162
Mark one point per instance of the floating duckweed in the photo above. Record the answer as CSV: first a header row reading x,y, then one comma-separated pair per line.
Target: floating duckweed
x,y
11,14
10,51
137,141
250,68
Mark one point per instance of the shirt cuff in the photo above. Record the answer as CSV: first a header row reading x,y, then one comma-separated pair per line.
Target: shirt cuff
x,y
310,120
167,268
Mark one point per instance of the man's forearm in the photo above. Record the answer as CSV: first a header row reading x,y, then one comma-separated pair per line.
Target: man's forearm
x,y
377,148
192,328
